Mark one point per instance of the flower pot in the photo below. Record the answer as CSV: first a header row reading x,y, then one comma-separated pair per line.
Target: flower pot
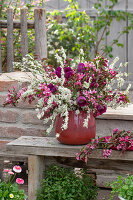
x,y
121,198
76,134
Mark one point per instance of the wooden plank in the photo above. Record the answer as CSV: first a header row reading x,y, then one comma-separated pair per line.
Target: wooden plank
x,y
130,5
40,33
130,46
119,113
24,36
49,146
121,5
52,5
10,53
62,4
36,167
83,4
17,24
120,166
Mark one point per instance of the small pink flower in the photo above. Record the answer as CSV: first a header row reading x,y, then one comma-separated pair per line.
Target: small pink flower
x,y
6,170
17,169
92,146
11,173
107,153
77,156
19,181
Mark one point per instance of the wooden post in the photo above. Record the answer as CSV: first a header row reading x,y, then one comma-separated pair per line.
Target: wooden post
x,y
36,167
10,52
40,33
24,36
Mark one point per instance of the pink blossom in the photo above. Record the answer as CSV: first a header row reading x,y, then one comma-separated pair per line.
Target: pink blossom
x,y
80,76
131,141
6,170
77,156
119,147
78,83
17,169
107,153
115,130
11,173
19,181
92,146
85,151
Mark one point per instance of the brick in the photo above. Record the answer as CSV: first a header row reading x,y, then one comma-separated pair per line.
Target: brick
x,y
17,79
8,115
7,85
21,104
16,131
25,104
3,144
31,118
2,98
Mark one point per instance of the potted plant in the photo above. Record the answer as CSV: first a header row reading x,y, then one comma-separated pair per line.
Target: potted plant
x,y
9,189
63,183
120,140
73,94
123,187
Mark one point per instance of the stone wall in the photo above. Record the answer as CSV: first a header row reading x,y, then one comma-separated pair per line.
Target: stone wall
x,y
20,120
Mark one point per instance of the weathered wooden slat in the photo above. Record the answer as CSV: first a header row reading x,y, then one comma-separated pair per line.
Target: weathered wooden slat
x,y
49,146
43,151
10,53
40,33
24,36
17,24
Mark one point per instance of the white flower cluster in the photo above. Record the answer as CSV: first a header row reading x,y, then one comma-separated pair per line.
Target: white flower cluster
x,y
64,98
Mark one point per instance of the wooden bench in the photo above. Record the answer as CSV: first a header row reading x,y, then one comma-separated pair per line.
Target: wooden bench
x,y
42,151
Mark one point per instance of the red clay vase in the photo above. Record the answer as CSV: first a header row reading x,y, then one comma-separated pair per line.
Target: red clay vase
x,y
76,134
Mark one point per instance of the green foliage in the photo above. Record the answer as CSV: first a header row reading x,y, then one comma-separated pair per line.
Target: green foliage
x,y
64,184
7,189
83,32
78,30
123,187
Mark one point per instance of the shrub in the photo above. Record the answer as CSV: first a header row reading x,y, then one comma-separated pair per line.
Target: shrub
x,y
63,184
123,187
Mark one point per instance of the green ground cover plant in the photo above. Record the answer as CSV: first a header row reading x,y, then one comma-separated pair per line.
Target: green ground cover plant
x,y
123,187
63,184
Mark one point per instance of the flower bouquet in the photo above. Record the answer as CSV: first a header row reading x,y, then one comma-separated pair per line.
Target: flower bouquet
x,y
75,85
120,140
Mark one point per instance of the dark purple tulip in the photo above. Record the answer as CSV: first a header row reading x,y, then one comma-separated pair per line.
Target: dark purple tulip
x,y
101,109
81,101
81,67
52,88
58,72
68,72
